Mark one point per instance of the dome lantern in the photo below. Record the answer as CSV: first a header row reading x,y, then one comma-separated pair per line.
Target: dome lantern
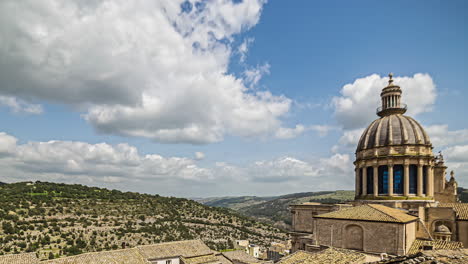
x,y
391,99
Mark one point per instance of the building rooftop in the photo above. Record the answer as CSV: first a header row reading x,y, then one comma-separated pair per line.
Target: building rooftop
x,y
419,244
329,255
371,212
122,256
240,256
461,209
25,258
187,249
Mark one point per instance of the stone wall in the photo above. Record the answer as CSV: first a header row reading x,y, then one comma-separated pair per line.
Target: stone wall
x,y
463,232
372,237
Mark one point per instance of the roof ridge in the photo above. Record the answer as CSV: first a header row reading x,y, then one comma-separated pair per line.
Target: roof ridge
x,y
385,213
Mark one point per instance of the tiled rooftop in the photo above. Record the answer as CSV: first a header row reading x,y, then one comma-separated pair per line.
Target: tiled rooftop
x,y
329,256
187,248
371,212
25,258
201,259
241,256
460,208
436,244
123,256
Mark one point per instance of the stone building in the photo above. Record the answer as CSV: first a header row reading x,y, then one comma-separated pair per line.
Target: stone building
x,y
397,176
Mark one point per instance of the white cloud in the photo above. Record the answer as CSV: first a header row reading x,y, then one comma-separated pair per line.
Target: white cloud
x,y
122,166
254,75
355,108
457,154
139,68
7,143
199,155
244,48
441,136
20,106
286,133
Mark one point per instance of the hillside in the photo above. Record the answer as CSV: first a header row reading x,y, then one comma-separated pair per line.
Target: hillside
x,y
274,210
59,219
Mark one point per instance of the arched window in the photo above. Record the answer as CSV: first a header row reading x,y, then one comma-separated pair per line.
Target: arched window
x,y
354,237
383,180
398,179
370,180
413,178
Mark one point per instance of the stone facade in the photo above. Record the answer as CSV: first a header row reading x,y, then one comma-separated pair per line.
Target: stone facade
x,y
371,237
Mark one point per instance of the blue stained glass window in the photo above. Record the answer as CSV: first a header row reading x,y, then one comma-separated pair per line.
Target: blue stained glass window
x,y
398,179
413,178
424,179
383,180
370,180
361,180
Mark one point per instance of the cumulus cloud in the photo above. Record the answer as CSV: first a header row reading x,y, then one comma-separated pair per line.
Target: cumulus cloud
x,y
122,166
244,48
153,69
20,106
199,155
355,108
441,136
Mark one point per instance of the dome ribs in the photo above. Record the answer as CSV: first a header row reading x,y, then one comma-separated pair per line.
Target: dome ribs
x,y
404,133
416,131
423,132
368,133
390,131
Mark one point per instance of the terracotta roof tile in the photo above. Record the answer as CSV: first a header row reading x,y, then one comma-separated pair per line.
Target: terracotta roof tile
x,y
460,208
418,245
371,212
25,258
122,256
240,256
329,256
187,248
201,259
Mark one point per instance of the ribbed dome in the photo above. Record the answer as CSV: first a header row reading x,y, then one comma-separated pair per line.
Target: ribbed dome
x,y
443,229
393,130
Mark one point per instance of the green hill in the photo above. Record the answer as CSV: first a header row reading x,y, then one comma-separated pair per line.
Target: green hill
x,y
274,210
70,219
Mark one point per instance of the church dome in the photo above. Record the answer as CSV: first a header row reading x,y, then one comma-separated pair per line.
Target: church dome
x,y
443,229
394,129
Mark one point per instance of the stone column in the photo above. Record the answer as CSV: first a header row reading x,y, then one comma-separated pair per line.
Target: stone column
x,y
357,182
420,180
376,181
430,181
406,180
364,181
390,179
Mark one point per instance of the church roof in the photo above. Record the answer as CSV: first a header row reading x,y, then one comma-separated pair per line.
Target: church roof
x,y
418,245
393,130
329,255
371,212
25,258
461,209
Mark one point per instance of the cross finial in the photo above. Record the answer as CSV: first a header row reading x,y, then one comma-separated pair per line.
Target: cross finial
x,y
390,80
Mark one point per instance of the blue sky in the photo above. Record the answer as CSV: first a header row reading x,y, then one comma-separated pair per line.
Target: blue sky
x,y
204,75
